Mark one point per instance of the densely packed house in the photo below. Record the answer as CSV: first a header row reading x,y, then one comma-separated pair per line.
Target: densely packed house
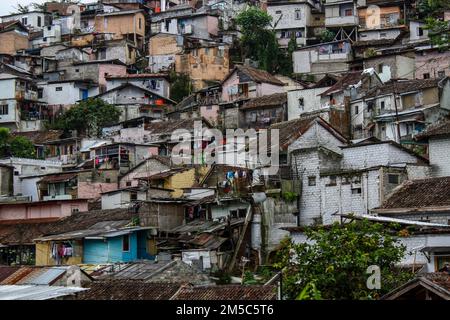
x,y
363,127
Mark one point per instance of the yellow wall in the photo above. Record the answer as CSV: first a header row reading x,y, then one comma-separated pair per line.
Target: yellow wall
x,y
12,41
121,24
43,255
185,179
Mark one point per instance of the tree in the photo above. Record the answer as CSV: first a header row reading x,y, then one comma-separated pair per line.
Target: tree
x,y
15,146
258,42
327,35
22,8
181,86
333,263
88,117
438,32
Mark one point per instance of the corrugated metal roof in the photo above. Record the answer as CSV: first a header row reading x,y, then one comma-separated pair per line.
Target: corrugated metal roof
x,y
35,292
44,276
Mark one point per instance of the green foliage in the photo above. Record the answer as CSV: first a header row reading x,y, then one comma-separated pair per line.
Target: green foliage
x,y
289,196
249,278
327,35
88,117
438,32
430,7
310,292
181,86
224,278
11,146
334,262
258,42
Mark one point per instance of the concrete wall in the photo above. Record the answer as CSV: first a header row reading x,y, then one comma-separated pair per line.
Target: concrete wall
x,y
432,62
57,209
311,101
439,156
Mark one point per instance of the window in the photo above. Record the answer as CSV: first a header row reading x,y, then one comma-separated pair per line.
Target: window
x,y
39,21
128,183
356,110
234,214
426,76
301,102
4,109
311,181
383,34
16,173
356,190
140,23
333,181
393,178
206,51
58,89
108,180
40,93
133,196
278,12
419,31
126,243
348,12
441,74
382,105
298,15
25,21
242,213
380,68
77,70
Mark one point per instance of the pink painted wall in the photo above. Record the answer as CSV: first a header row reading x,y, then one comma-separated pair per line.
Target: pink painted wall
x,y
231,81
264,89
93,190
211,114
53,209
432,62
111,70
213,25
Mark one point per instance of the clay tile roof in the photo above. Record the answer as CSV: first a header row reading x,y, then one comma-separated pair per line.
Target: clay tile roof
x,y
441,279
227,292
431,192
167,127
348,79
24,232
289,131
403,86
439,129
276,99
128,290
259,75
58,178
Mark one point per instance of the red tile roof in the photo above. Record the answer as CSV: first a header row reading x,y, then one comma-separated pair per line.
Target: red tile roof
x,y
276,99
128,290
227,292
439,129
423,193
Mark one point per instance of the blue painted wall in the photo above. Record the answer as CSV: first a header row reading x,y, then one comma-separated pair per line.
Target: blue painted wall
x,y
110,250
142,246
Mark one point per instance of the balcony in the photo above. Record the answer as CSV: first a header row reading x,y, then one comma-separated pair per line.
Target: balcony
x,y
341,21
26,95
58,197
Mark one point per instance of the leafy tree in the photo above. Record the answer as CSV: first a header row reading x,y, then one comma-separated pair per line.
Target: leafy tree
x,y
334,261
22,8
181,86
258,42
430,7
438,32
15,146
327,35
88,117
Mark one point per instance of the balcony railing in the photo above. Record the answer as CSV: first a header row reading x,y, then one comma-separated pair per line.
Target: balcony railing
x,y
26,95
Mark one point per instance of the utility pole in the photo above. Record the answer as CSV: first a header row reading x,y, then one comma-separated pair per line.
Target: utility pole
x,y
396,108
